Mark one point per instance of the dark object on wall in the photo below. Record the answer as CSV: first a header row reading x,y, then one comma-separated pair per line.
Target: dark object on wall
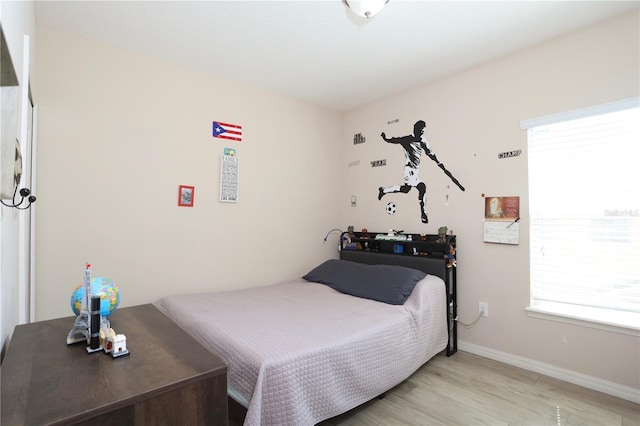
x,y
413,146
509,154
25,193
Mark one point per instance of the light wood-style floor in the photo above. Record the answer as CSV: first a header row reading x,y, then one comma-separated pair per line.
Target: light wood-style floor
x,y
469,390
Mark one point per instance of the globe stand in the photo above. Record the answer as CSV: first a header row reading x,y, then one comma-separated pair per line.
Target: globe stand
x,y
80,330
89,321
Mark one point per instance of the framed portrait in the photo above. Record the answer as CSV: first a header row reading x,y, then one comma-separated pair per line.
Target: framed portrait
x,y
185,195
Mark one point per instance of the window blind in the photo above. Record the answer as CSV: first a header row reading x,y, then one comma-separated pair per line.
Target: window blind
x,y
584,198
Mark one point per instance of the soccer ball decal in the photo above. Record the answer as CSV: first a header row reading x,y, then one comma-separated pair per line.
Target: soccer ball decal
x,y
391,208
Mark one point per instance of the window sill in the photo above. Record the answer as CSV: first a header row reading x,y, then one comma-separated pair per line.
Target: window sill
x,y
624,323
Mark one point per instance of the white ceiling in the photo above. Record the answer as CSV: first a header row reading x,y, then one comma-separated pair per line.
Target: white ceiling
x,y
319,51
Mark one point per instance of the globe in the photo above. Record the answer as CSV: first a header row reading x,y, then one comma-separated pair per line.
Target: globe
x,y
100,286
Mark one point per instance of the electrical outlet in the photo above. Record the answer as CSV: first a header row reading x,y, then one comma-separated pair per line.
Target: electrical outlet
x,y
483,309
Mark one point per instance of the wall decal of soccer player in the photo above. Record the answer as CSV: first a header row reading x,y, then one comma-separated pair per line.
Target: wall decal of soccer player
x,y
413,146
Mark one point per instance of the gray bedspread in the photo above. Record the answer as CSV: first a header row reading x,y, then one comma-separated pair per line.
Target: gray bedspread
x,y
301,352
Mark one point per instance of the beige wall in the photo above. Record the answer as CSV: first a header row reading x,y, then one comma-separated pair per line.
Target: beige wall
x,y
118,132
471,117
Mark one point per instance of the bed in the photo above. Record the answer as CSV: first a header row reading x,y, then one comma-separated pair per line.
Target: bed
x,y
300,352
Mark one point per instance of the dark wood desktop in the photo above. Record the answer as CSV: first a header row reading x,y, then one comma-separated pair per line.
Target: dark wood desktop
x,y
167,379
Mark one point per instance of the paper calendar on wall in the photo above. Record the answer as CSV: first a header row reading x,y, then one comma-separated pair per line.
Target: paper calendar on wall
x,y
501,232
229,179
501,217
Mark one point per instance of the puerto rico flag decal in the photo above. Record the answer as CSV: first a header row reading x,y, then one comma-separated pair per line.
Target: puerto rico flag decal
x,y
227,131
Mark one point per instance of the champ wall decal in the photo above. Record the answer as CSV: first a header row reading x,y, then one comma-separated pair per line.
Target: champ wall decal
x,y
509,154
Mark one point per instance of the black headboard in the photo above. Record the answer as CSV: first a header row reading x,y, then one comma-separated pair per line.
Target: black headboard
x,y
433,266
430,265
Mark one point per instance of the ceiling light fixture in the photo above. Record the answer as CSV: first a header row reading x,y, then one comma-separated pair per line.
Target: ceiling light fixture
x,y
366,8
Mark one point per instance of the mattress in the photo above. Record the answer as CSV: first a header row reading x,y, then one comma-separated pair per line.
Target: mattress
x,y
300,352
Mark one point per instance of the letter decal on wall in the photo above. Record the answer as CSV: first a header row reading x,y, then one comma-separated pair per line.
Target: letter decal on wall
x,y
509,154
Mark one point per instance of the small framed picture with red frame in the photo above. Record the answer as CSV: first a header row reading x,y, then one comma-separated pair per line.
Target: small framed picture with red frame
x,y
185,195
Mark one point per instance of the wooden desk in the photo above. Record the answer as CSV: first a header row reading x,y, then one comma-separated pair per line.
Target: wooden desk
x,y
167,379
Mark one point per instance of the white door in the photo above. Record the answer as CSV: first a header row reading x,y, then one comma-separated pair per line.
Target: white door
x,y
26,220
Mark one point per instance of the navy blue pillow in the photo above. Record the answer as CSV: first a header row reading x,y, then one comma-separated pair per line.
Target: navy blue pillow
x,y
390,284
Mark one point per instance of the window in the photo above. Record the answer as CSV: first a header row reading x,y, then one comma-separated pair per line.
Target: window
x,y
584,202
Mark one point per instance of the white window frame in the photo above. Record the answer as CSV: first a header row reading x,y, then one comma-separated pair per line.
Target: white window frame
x,y
623,323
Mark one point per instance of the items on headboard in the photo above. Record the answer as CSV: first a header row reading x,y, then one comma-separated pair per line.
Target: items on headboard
x,y
433,254
439,246
451,257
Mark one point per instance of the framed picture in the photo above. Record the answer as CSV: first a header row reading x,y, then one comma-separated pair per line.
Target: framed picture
x,y
185,195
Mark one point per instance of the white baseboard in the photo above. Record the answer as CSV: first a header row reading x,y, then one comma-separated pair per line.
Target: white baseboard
x,y
589,382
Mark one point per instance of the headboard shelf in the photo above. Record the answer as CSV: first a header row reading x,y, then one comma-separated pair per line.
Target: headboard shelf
x,y
405,244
